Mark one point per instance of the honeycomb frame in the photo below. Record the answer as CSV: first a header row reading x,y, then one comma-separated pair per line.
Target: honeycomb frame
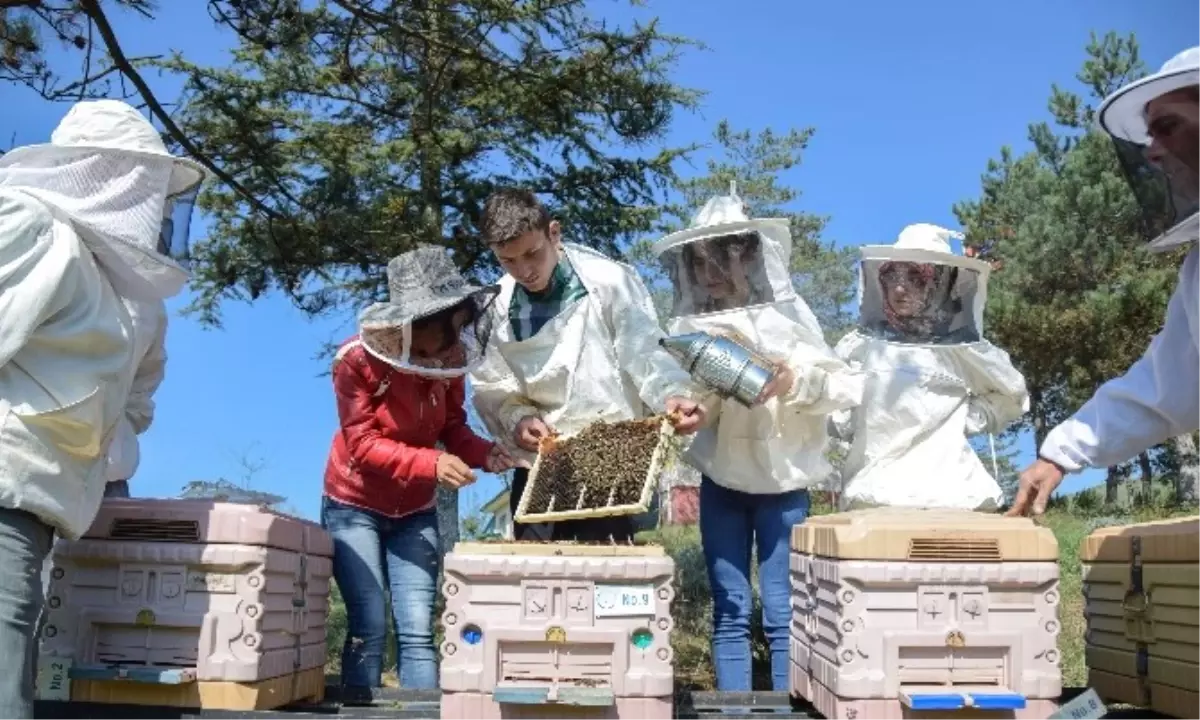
x,y
663,454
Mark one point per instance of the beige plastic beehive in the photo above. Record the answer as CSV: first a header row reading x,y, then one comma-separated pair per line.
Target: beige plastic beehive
x,y
1142,644
195,590
917,535
892,603
549,629
542,503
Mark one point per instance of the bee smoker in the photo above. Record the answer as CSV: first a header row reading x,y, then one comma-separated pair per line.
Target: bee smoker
x,y
722,364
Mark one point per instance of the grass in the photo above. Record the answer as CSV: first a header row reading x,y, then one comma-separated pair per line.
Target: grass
x,y
692,608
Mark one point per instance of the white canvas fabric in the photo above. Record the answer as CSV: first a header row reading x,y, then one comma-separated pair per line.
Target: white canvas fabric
x,y
778,446
924,395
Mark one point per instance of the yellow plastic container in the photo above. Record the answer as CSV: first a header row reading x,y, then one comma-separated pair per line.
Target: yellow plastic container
x,y
1141,586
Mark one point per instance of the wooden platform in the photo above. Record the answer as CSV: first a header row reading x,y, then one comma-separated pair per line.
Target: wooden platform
x,y
306,686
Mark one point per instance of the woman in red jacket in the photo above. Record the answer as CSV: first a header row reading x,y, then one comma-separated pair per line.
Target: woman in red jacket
x,y
403,431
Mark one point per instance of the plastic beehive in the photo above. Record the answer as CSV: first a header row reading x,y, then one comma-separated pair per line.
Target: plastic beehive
x,y
904,612
188,602
1141,585
557,630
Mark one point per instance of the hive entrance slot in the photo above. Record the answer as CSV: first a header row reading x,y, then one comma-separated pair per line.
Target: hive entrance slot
x,y
954,549
154,530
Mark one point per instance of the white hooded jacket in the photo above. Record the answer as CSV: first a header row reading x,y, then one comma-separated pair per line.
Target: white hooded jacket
x,y
909,442
1159,396
598,360
79,218
781,445
150,333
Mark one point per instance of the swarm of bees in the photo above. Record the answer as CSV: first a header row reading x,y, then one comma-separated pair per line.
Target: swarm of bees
x,y
604,470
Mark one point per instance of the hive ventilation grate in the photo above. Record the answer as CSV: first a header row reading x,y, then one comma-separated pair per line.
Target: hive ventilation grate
x,y
954,549
151,530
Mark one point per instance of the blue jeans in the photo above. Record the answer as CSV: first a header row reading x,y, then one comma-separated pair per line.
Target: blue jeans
x,y
372,552
24,545
730,521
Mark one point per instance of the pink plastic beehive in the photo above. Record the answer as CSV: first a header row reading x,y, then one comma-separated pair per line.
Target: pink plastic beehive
x,y
575,630
892,608
230,591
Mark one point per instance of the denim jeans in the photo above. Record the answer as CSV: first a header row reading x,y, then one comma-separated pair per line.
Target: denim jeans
x,y
24,544
372,553
732,523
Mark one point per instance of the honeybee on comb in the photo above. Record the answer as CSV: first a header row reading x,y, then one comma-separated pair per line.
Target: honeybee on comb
x,y
603,470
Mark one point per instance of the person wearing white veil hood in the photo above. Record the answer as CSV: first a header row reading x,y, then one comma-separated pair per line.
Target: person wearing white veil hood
x,y
931,378
730,277
1155,129
88,223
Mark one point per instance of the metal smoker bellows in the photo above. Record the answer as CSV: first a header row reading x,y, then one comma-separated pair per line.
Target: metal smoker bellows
x,y
726,366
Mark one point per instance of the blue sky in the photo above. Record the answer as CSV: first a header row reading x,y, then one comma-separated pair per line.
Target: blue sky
x,y
909,101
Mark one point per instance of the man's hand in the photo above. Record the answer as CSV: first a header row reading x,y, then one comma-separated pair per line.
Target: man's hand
x,y
686,415
780,383
453,472
498,460
530,432
1035,486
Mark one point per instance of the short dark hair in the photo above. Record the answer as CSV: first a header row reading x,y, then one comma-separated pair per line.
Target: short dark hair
x,y
510,213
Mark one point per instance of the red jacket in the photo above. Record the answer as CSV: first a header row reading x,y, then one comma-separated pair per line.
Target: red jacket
x,y
383,457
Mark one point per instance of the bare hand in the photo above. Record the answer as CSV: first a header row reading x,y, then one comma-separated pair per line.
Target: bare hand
x,y
686,415
530,432
1037,483
780,383
498,460
453,472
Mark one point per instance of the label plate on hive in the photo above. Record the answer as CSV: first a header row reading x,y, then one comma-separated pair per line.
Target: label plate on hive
x,y
1087,706
624,600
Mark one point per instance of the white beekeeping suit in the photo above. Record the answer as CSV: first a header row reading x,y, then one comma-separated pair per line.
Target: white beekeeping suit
x,y
599,360
730,276
88,224
150,334
1153,126
931,378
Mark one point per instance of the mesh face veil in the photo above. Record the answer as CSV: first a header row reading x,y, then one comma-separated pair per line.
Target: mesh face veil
x,y
175,230
717,274
1154,123
1164,179
920,302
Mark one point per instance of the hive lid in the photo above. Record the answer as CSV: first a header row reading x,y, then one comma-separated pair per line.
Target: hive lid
x,y
557,549
1174,541
924,535
177,520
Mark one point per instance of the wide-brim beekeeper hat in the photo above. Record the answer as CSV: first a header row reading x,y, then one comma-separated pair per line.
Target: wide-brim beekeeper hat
x,y
106,167
1123,113
112,126
421,284
1167,200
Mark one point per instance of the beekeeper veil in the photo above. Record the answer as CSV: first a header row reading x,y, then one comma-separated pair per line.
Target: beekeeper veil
x,y
725,261
1153,125
434,323
919,292
106,169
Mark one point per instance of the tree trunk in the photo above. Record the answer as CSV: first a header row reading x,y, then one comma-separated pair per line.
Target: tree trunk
x,y
1039,420
1112,482
1189,469
423,127
1147,477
